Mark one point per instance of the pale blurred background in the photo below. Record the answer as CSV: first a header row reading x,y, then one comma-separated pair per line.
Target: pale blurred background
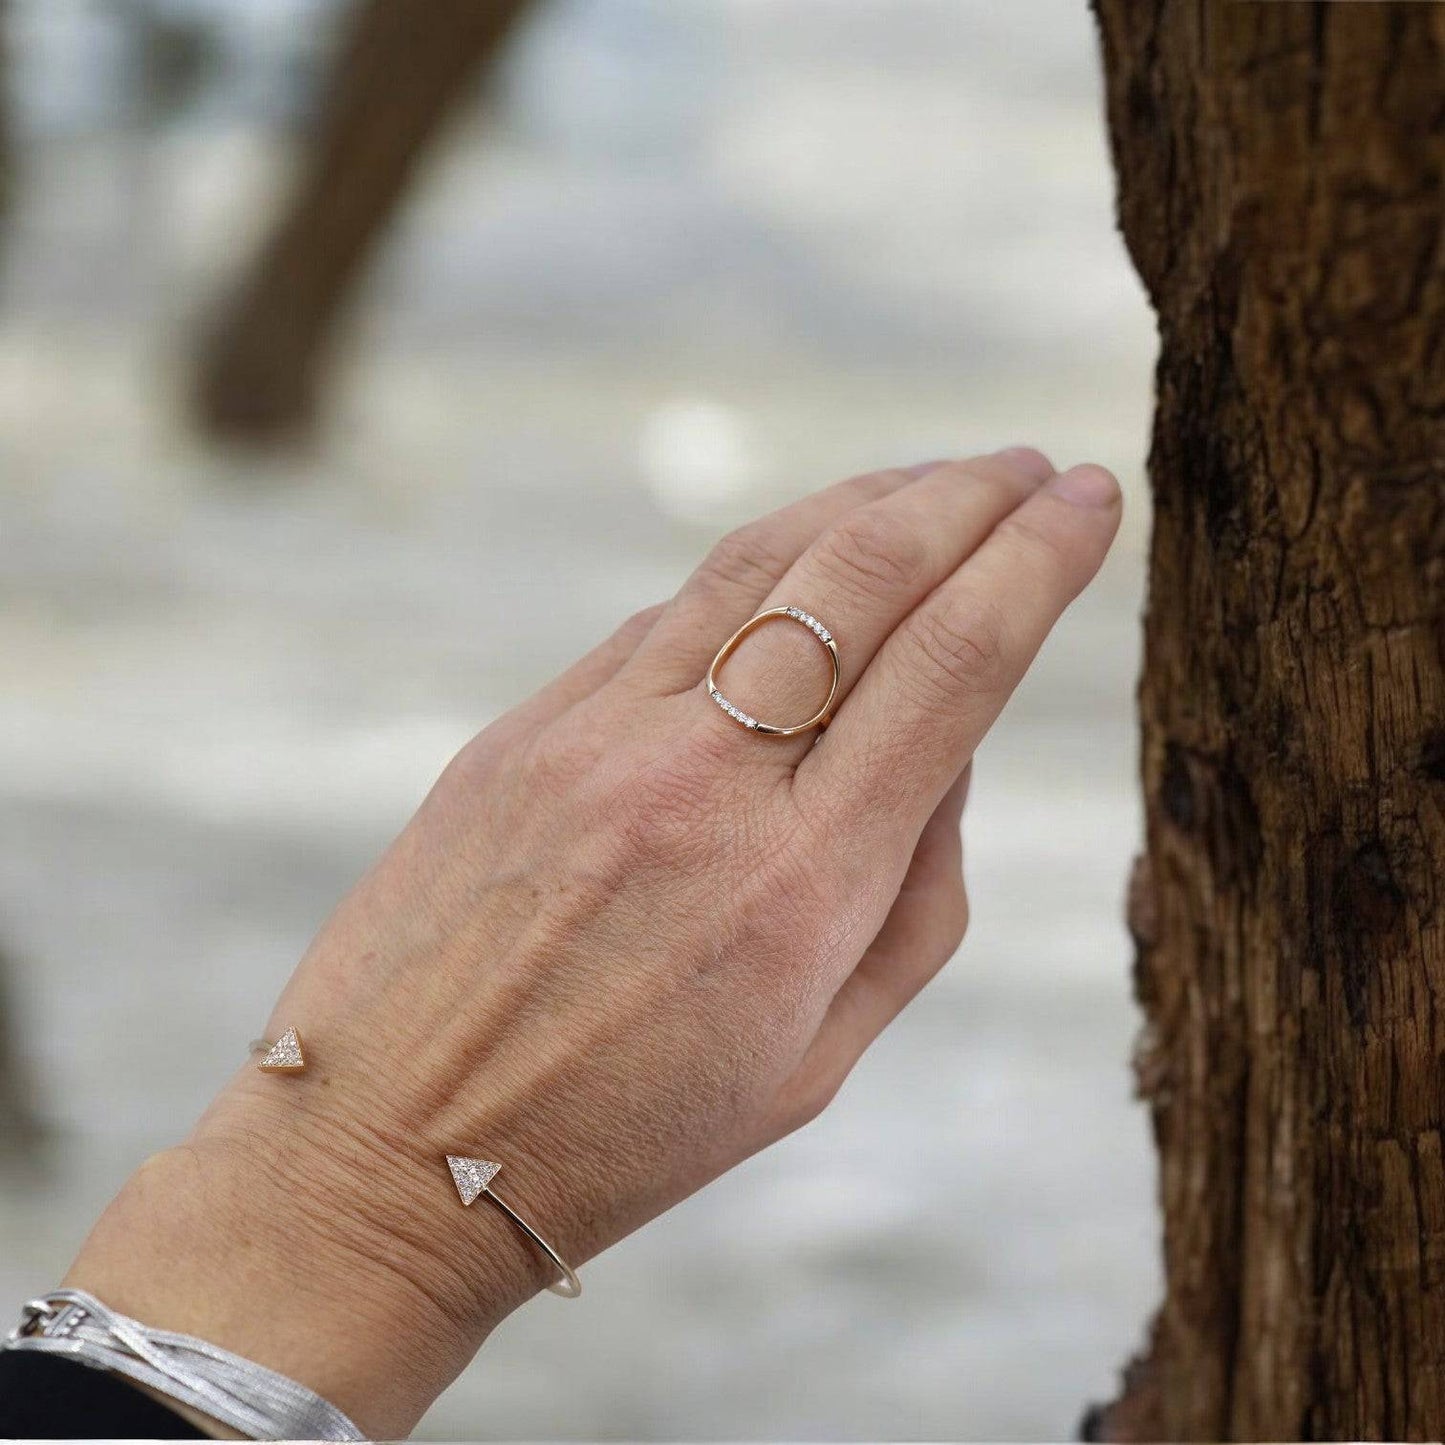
x,y
679,260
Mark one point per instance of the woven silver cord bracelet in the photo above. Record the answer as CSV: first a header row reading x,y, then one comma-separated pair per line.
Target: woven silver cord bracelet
x,y
258,1402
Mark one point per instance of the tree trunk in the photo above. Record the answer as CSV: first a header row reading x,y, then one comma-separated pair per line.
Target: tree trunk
x,y
402,70
1280,172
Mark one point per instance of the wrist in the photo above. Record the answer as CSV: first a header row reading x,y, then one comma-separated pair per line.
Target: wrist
x,y
303,1242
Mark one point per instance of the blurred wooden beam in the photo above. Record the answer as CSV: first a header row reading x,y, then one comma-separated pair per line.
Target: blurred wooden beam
x,y
402,69
22,1134
20,1131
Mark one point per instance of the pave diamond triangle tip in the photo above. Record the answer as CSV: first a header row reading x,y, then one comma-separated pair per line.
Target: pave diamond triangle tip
x,y
286,1056
471,1176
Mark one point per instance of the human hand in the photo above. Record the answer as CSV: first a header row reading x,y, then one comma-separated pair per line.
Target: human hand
x,y
623,944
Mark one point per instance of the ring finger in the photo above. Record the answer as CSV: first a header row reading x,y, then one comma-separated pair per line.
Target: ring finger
x,y
726,589
860,579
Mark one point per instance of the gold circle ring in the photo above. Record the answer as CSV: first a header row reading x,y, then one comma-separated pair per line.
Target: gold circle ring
x,y
805,619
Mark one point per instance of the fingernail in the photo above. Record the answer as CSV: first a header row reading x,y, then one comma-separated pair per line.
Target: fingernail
x,y
1086,486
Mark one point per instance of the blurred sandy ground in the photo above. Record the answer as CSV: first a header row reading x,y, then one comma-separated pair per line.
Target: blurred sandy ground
x,y
700,257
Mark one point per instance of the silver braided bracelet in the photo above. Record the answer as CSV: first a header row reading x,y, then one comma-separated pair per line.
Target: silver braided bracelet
x,y
258,1402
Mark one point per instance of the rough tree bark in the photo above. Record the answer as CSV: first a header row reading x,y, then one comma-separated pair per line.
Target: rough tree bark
x,y
1280,172
402,69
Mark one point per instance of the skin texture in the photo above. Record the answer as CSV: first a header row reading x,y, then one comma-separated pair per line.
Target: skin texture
x,y
623,944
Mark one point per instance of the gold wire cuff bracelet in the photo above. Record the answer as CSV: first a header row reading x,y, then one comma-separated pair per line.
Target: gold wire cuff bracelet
x,y
473,1177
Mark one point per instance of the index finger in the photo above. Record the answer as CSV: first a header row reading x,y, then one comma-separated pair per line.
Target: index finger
x,y
933,690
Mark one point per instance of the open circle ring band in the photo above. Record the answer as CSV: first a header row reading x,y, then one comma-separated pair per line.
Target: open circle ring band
x,y
805,619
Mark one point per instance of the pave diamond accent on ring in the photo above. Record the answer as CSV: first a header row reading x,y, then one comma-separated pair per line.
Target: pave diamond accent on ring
x,y
747,720
808,620
731,711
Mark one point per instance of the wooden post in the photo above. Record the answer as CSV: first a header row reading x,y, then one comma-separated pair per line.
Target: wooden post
x,y
1280,176
402,70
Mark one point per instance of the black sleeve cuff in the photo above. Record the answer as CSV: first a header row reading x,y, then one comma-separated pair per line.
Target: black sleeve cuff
x,y
49,1397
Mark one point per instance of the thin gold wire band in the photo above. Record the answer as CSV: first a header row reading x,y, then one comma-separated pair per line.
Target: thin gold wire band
x,y
771,730
569,1286
473,1178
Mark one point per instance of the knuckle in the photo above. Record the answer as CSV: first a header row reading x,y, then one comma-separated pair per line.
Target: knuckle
x,y
479,760
747,558
959,646
660,803
556,761
875,548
